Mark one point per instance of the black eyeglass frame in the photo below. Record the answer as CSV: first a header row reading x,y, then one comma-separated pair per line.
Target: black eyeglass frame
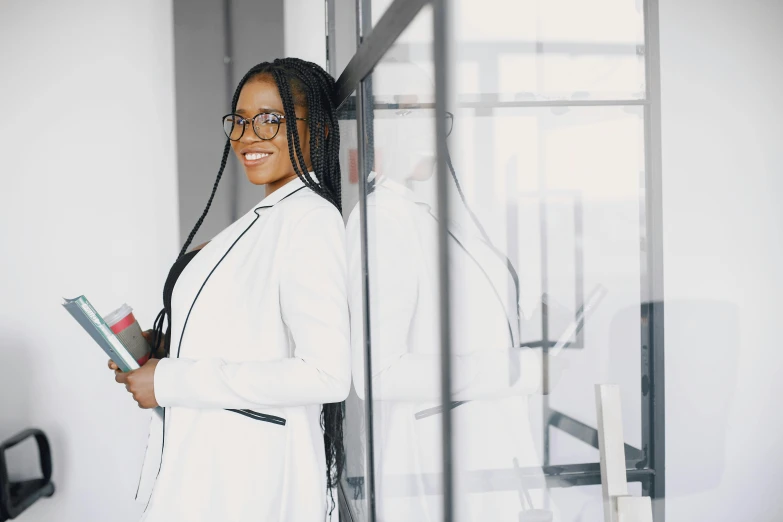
x,y
244,121
404,111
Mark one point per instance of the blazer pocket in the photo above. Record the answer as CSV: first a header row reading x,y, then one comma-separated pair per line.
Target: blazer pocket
x,y
263,417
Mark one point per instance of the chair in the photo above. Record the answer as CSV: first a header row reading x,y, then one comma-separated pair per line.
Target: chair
x,y
15,497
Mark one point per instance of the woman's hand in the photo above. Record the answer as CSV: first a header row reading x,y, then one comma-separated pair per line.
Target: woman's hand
x,y
160,353
140,383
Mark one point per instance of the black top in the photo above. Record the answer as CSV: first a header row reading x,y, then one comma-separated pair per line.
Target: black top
x,y
168,289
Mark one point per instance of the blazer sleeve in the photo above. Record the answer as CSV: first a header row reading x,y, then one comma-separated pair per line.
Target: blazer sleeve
x,y
396,266
314,306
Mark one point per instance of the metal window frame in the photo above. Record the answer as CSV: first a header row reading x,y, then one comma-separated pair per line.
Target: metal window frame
x,y
228,61
375,42
651,313
357,78
441,48
363,95
331,37
363,171
645,465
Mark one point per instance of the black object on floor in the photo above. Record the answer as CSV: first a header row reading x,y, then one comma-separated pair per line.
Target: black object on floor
x,y
15,497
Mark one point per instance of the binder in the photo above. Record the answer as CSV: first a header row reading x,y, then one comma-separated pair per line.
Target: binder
x,y
85,314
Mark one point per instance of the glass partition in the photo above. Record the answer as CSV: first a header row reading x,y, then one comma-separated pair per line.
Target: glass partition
x,y
547,177
354,433
402,296
549,147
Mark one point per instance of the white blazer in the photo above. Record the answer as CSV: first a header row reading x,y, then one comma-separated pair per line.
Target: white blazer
x,y
259,341
492,431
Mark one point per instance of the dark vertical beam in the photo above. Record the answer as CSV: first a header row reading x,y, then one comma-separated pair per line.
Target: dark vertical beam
x,y
331,39
441,55
359,30
228,60
364,130
654,433
364,28
364,22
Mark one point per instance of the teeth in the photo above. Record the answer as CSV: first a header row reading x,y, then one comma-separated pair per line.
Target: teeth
x,y
252,156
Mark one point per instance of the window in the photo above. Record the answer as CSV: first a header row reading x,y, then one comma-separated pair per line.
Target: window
x,y
551,171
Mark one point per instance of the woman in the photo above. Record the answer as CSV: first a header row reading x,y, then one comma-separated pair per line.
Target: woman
x,y
491,377
259,334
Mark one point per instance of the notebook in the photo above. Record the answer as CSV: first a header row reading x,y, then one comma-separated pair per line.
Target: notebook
x,y
86,315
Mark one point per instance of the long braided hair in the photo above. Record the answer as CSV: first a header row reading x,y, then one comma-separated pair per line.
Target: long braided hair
x,y
299,83
303,83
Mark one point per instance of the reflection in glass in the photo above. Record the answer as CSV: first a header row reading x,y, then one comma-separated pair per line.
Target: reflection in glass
x,y
546,227
494,452
403,294
560,189
354,433
542,50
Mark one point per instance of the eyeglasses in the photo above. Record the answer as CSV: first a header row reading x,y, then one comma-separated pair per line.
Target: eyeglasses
x,y
427,114
266,125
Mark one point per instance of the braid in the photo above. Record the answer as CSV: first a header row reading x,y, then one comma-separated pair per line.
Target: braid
x,y
301,81
192,234
316,87
292,132
294,76
226,151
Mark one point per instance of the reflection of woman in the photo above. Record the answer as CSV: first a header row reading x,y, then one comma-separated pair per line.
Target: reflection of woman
x,y
259,325
491,429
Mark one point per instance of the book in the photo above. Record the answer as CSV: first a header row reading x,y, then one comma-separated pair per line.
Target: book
x,y
85,314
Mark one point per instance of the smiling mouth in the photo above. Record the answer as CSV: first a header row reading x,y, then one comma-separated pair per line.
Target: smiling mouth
x,y
253,158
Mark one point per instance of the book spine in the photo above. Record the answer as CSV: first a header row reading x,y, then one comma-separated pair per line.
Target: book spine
x,y
107,334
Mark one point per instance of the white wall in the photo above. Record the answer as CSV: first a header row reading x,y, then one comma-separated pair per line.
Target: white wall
x,y
722,182
305,30
258,37
345,32
204,96
88,205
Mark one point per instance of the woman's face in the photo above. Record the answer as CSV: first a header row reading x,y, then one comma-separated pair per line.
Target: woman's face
x,y
268,162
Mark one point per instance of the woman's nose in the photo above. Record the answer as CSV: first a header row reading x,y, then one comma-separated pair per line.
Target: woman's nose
x,y
249,135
